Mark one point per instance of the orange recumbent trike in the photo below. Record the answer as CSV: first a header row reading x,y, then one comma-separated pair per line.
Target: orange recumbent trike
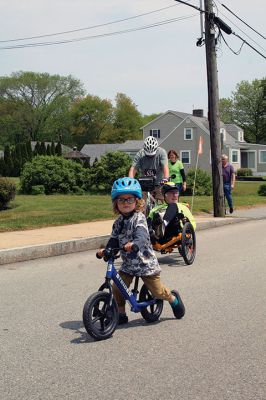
x,y
183,239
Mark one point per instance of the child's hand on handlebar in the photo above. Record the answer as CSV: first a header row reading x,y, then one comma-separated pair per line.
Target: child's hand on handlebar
x,y
100,253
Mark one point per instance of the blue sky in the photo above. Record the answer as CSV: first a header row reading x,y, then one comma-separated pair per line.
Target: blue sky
x,y
159,68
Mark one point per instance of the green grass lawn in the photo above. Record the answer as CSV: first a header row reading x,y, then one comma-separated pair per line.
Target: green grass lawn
x,y
29,212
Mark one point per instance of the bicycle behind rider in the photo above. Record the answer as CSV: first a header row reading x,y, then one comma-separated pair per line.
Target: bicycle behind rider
x,y
151,160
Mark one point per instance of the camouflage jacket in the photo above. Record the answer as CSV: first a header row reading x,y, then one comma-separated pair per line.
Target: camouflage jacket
x,y
133,228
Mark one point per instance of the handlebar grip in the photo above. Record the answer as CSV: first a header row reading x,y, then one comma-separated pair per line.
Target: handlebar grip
x,y
97,256
135,248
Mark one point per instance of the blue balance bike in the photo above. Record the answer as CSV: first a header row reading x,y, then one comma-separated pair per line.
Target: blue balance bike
x,y
100,312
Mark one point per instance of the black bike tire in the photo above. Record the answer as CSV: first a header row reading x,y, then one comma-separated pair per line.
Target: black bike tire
x,y
108,323
155,310
188,228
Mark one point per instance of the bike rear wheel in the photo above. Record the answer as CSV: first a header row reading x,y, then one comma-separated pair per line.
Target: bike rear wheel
x,y
99,317
152,312
188,243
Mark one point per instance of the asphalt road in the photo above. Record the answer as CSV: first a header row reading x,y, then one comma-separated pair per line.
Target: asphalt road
x,y
216,352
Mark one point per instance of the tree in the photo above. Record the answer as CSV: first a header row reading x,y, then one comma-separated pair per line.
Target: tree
x,y
148,118
48,150
226,108
247,108
36,104
52,149
58,149
29,150
127,118
37,149
8,161
91,117
112,165
42,150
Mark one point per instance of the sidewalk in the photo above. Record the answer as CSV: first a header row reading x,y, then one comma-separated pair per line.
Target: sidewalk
x,y
52,241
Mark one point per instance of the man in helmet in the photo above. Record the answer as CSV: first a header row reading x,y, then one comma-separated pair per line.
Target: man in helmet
x,y
166,219
151,161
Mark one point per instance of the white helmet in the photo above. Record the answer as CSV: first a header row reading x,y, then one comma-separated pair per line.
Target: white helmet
x,y
150,146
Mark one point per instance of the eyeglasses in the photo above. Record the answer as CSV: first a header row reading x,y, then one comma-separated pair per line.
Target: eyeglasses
x,y
129,200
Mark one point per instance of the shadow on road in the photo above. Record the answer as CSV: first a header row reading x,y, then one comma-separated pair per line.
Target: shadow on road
x,y
173,260
85,337
76,326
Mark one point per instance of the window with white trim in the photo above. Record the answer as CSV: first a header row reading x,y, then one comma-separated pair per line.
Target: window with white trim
x,y
234,155
155,133
188,134
240,136
262,156
185,156
223,134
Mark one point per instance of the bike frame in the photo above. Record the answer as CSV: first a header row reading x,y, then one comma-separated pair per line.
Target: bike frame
x,y
129,295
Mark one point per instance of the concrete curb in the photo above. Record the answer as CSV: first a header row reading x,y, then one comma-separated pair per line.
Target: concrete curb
x,y
8,256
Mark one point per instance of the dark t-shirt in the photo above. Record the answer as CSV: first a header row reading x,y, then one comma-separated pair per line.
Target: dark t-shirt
x,y
151,166
227,171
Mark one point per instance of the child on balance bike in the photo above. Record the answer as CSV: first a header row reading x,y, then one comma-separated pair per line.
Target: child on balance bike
x,y
131,228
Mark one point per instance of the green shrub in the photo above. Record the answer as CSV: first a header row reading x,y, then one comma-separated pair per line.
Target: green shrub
x,y
203,184
78,190
38,189
244,172
112,165
56,174
262,190
7,192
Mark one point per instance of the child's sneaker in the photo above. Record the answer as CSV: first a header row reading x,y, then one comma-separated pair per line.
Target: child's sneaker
x,y
179,308
123,319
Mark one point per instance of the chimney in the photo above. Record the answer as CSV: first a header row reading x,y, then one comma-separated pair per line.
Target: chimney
x,y
198,113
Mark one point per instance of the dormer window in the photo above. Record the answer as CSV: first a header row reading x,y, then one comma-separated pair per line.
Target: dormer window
x,y
155,133
188,134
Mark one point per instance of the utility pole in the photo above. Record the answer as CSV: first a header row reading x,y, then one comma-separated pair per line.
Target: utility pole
x,y
213,111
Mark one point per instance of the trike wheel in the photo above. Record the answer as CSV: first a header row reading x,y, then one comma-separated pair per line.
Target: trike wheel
x,y
188,243
152,312
99,317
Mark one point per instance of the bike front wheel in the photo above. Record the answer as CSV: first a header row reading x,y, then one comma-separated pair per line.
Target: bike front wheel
x,y
152,312
188,243
100,318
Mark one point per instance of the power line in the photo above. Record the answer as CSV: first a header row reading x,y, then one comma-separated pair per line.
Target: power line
x,y
190,5
243,21
244,41
164,22
233,51
242,31
89,27
224,27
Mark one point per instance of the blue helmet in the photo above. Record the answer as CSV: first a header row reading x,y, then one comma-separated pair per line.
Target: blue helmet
x,y
126,186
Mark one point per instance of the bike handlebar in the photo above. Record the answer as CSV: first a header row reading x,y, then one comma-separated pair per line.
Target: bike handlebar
x,y
110,252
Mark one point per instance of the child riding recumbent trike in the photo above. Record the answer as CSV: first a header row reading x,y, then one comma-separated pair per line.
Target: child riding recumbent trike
x,y
171,224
